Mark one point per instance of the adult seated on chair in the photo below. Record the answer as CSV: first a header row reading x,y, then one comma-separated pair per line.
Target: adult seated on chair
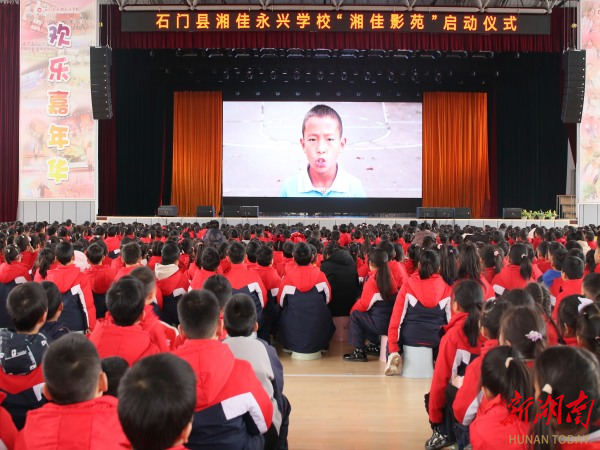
x,y
305,324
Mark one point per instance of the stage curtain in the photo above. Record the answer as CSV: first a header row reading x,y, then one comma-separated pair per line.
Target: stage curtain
x,y
197,150
455,150
9,105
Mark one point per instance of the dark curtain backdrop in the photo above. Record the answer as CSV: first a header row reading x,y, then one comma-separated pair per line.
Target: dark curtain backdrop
x,y
9,105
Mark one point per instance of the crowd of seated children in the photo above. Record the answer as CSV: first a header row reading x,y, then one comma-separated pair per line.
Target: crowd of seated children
x,y
12,273
240,323
77,415
232,408
22,348
305,322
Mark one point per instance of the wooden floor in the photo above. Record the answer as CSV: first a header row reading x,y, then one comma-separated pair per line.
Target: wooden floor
x,y
349,405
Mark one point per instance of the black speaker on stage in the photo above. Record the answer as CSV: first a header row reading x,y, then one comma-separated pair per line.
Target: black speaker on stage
x,y
462,213
205,211
426,213
249,211
231,211
168,210
574,85
100,63
444,213
511,213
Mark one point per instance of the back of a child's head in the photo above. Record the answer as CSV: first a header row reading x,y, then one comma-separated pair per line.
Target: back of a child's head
x,y
26,306
491,256
491,314
519,256
53,296
131,253
64,252
71,367
523,328
568,312
429,264
145,276
125,301
264,256
251,249
240,315
302,254
588,328
170,253
95,253
114,367
591,286
157,397
288,249
236,251
540,295
558,252
322,111
210,259
220,287
198,313
468,295
519,297
573,267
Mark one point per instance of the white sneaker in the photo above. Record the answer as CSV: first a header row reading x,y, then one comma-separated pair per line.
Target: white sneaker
x,y
393,363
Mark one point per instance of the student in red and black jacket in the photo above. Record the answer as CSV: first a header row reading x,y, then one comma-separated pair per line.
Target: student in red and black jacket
x,y
172,282
271,280
517,274
79,311
100,277
233,410
422,308
12,273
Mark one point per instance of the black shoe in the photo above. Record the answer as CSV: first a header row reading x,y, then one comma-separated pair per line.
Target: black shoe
x,y
358,355
437,441
372,349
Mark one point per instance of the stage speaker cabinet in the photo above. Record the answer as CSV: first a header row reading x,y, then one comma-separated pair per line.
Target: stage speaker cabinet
x,y
249,211
231,211
205,211
168,211
574,85
444,213
511,213
462,213
426,213
100,63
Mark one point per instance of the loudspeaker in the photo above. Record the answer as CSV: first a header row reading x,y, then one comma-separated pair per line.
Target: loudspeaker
x,y
205,211
462,213
249,211
511,213
574,85
100,62
167,210
444,213
426,213
231,210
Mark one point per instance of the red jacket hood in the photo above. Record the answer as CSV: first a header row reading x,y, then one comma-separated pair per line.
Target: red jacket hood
x,y
10,272
213,364
65,277
131,343
303,278
429,292
457,322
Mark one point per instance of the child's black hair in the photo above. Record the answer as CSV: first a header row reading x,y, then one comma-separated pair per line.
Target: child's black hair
x,y
379,258
240,315
541,298
198,312
264,256
26,305
588,328
591,285
170,253
429,264
125,301
131,253
468,294
43,262
568,312
64,253
236,252
573,267
220,287
302,254
53,296
492,256
95,253
251,248
518,255
491,313
114,367
525,330
146,277
448,263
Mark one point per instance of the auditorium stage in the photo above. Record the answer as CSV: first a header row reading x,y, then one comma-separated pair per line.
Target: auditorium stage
x,y
329,221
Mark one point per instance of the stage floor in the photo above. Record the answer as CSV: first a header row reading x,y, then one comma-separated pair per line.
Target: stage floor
x,y
329,221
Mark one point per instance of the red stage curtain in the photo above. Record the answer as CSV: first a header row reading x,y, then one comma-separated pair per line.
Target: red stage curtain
x,y
197,150
455,150
9,105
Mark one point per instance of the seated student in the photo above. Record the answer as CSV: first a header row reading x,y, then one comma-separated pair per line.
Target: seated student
x,y
507,386
100,277
422,308
12,273
151,386
77,415
22,348
460,344
8,430
114,367
518,272
251,248
541,298
590,288
340,269
209,264
53,328
556,255
232,408
122,335
271,280
397,270
305,324
172,282
244,281
491,261
469,268
572,279
79,312
113,242
542,255
240,323
568,315
566,376
131,255
588,328
45,261
370,315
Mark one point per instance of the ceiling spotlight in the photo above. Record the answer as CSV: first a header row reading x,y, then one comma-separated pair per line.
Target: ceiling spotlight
x,y
391,75
296,75
257,93
320,75
438,78
358,94
226,74
249,74
297,93
318,93
273,74
338,94
367,76
344,75
277,93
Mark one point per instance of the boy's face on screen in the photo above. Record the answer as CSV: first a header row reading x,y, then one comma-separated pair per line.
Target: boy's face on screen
x,y
322,144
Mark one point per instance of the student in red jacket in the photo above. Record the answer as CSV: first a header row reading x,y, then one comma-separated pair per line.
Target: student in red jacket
x,y
77,415
567,376
542,255
370,315
517,274
271,280
151,385
100,277
422,308
505,381
397,270
469,268
172,282
232,409
131,256
492,260
79,312
572,276
45,261
8,431
568,314
460,344
122,335
12,273
588,328
209,265
155,254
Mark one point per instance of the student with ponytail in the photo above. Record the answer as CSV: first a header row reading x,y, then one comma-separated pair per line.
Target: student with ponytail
x,y
492,260
568,314
470,269
588,328
448,263
504,380
541,298
524,329
460,345
561,375
44,262
572,279
370,315
518,272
